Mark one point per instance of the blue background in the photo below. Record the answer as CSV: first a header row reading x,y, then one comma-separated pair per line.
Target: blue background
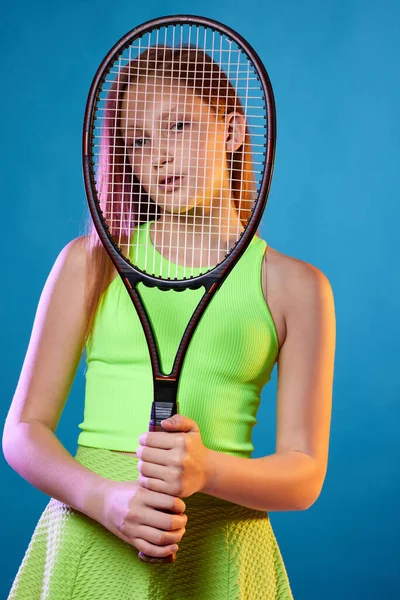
x,y
334,203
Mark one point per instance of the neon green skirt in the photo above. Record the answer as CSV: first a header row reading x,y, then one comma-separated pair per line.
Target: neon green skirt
x,y
228,552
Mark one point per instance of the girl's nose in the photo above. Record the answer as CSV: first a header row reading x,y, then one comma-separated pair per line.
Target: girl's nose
x,y
162,154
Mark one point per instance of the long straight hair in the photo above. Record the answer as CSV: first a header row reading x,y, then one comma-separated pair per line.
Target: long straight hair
x,y
116,183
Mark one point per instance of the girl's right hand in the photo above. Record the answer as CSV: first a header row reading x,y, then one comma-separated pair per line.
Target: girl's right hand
x,y
140,517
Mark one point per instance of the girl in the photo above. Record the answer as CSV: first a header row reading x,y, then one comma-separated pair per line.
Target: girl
x,y
176,148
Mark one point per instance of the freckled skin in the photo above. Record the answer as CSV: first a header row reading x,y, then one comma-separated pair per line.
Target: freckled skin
x,y
169,130
177,146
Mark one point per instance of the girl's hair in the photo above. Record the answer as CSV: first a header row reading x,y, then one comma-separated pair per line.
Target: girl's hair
x,y
115,180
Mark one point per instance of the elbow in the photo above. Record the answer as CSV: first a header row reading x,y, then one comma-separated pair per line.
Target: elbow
x,y
5,441
14,441
307,505
315,483
8,444
310,498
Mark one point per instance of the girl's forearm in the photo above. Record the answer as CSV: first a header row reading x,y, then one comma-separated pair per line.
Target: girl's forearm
x,y
35,452
282,481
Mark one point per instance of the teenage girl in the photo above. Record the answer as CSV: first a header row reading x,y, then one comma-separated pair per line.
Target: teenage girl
x,y
184,150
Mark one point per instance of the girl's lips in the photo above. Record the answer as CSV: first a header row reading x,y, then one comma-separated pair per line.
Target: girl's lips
x,y
171,183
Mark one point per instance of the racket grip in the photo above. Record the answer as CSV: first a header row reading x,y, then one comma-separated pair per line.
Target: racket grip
x,y
159,560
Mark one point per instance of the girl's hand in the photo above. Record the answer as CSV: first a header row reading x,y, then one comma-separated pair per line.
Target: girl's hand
x,y
137,516
173,463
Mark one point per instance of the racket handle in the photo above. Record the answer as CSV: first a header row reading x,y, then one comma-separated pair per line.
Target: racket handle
x,y
159,560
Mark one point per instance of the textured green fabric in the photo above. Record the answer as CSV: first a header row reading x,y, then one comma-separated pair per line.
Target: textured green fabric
x,y
229,360
228,552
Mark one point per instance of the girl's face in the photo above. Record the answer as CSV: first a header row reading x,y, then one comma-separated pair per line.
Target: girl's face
x,y
177,145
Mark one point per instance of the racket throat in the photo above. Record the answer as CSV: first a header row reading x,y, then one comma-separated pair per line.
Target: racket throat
x,y
165,403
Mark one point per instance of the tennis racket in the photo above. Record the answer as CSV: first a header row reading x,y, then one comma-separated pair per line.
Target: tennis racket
x,y
178,153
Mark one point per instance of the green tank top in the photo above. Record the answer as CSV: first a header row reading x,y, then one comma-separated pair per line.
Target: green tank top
x,y
230,358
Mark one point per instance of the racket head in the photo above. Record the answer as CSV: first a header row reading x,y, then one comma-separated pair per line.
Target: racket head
x,y
197,62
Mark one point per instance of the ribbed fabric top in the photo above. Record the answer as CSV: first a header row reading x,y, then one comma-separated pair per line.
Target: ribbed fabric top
x,y
229,360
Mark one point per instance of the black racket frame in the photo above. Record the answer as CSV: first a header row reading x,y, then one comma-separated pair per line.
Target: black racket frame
x,y
166,385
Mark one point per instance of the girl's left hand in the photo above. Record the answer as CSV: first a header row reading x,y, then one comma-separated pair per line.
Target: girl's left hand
x,y
173,463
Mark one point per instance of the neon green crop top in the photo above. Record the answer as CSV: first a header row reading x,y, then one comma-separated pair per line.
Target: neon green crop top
x,y
229,360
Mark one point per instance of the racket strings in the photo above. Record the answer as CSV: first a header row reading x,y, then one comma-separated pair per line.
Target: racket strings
x,y
178,142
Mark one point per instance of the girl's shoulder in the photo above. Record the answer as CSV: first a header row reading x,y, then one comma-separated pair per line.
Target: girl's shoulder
x,y
74,258
78,248
74,254
292,286
291,272
67,277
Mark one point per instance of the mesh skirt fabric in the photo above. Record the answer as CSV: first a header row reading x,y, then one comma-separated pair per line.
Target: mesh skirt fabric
x,y
228,552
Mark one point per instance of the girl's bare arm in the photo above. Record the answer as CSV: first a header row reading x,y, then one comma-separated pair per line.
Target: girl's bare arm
x,y
30,445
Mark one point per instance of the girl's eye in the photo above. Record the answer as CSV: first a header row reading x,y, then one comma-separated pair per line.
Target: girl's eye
x,y
139,142
180,126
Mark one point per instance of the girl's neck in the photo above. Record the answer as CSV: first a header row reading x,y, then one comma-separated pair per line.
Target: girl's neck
x,y
199,239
